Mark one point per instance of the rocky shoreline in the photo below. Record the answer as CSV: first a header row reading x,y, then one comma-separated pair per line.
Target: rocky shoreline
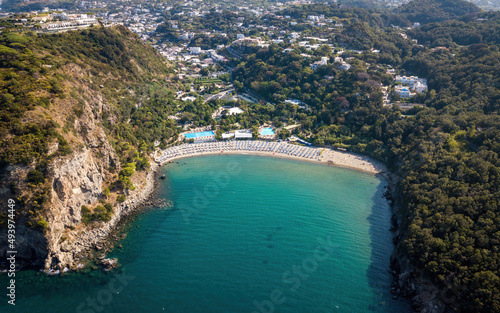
x,y
105,239
93,244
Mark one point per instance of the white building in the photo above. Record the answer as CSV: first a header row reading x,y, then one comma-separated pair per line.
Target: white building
x,y
233,110
414,82
228,110
186,36
195,50
403,91
419,87
188,98
345,66
316,17
227,136
243,134
315,65
297,102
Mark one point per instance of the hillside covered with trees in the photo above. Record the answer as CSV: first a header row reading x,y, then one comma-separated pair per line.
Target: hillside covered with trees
x,y
428,11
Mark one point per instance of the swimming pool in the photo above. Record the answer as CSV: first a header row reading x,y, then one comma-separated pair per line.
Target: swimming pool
x,y
267,131
199,134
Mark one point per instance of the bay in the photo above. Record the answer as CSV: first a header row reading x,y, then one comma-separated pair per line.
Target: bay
x,y
245,234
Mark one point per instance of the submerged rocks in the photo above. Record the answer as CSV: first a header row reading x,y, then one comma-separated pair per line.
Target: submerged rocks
x,y
109,264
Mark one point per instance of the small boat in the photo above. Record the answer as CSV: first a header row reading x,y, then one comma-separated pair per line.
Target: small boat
x,y
163,176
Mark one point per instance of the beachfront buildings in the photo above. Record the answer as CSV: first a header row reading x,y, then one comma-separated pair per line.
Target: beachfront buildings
x,y
243,134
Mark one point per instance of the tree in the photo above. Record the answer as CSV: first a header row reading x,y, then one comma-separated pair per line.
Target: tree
x,y
106,192
36,177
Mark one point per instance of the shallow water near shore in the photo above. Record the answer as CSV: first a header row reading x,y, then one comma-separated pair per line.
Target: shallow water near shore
x,y
245,234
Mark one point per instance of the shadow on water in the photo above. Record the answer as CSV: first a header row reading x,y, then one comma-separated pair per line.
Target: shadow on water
x,y
378,274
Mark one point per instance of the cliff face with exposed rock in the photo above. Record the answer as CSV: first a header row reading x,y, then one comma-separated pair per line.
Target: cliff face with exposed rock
x,y
78,181
75,180
79,167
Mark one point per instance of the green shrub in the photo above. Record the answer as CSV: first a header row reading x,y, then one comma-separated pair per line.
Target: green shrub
x,y
42,224
121,198
100,213
86,215
36,177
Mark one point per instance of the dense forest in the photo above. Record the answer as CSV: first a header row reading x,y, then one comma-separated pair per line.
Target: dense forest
x,y
27,6
428,11
464,31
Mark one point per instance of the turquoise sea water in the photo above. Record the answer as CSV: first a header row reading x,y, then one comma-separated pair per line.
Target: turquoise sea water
x,y
246,234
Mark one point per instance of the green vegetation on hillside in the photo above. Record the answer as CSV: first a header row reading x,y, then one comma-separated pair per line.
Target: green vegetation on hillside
x,y
35,83
465,31
35,5
428,11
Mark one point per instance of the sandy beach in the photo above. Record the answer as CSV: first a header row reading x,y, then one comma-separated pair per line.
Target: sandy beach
x,y
274,149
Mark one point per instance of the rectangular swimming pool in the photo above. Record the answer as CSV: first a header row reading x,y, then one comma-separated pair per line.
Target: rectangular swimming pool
x,y
267,131
199,134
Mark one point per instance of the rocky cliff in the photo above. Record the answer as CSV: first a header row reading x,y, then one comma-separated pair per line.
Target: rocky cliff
x,y
74,180
75,163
